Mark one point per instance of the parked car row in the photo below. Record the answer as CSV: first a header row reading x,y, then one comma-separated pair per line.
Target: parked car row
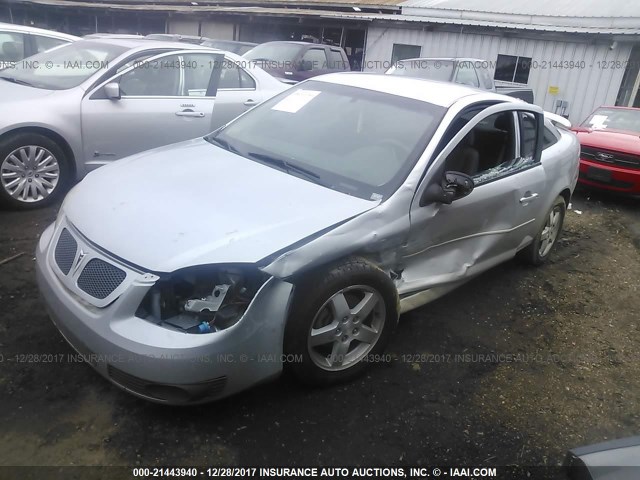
x,y
298,229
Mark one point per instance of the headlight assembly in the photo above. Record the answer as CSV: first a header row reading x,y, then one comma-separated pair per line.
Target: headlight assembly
x,y
202,299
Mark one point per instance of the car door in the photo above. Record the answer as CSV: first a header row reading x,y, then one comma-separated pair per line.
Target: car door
x,y
450,242
237,92
164,99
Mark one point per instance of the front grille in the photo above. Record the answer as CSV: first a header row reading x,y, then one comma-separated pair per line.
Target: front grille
x,y
610,157
65,251
99,278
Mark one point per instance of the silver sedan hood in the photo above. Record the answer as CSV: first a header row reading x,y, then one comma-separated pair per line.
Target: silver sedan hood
x,y
13,92
193,203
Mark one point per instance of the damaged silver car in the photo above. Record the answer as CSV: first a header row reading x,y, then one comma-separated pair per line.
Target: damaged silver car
x,y
296,235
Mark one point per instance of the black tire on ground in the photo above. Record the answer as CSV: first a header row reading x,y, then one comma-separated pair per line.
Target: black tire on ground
x,y
13,142
313,292
532,254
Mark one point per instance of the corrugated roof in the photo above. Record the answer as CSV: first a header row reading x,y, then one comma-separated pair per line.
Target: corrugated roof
x,y
496,24
553,8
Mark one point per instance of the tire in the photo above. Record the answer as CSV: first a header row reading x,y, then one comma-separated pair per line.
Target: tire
x,y
326,303
34,171
538,251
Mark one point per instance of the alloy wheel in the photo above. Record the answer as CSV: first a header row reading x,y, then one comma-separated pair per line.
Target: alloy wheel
x,y
346,327
550,231
30,173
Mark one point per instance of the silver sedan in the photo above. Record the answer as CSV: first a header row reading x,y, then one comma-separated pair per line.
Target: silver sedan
x,y
88,103
296,235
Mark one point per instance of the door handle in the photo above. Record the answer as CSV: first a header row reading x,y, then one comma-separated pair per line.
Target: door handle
x,y
250,103
529,198
190,113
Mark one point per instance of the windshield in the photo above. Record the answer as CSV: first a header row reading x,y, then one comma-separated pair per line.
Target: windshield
x,y
421,68
614,119
357,141
63,67
281,54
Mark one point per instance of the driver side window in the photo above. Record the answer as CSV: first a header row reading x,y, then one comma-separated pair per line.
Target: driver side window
x,y
488,151
152,78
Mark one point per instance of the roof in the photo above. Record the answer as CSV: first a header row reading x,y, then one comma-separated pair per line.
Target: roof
x,y
551,8
589,16
443,94
533,27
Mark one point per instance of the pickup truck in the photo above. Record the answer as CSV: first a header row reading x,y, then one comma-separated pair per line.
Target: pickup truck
x,y
467,71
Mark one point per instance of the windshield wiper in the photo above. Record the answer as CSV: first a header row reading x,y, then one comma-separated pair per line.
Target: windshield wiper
x,y
223,143
286,166
16,80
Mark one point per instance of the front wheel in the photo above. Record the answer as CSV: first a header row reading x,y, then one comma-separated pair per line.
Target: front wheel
x,y
339,318
540,249
33,171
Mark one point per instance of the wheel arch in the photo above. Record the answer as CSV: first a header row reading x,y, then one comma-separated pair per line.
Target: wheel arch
x,y
53,136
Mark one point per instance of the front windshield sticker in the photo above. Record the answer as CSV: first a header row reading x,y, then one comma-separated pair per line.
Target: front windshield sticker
x,y
295,101
597,121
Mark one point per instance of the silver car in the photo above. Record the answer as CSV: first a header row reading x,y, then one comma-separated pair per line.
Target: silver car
x,y
296,235
20,41
88,103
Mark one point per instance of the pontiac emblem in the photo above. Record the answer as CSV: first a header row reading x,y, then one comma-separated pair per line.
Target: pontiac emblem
x,y
81,256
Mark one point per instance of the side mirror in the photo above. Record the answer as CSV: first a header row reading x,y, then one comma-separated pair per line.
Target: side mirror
x,y
453,186
112,91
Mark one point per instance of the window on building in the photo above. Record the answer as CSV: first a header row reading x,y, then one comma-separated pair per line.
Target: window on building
x,y
402,52
511,68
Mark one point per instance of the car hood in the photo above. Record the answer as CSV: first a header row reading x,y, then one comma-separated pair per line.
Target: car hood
x,y
610,140
13,92
193,203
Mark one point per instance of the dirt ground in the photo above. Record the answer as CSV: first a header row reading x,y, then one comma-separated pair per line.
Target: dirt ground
x,y
511,369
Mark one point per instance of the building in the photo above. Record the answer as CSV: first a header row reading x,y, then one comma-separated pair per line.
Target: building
x,y
576,56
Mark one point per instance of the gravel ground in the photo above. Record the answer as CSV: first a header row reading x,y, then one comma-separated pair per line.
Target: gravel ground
x,y
511,369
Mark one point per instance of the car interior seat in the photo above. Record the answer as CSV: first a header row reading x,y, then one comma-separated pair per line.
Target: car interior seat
x,y
464,158
10,52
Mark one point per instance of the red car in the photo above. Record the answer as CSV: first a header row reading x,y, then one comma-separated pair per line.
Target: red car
x,y
610,149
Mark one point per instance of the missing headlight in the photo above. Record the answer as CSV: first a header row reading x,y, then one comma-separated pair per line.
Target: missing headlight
x,y
202,299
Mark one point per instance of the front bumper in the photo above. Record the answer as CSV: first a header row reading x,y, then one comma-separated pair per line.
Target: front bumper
x,y
162,365
609,177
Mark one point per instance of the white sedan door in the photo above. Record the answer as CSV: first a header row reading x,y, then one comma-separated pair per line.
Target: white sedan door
x,y
237,93
164,99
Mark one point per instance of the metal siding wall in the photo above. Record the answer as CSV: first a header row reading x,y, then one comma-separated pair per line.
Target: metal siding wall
x,y
584,89
217,30
184,26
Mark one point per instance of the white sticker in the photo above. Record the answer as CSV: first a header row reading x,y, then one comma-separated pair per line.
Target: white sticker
x,y
597,121
295,101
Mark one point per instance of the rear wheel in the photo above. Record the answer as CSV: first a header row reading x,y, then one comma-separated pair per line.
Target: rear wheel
x,y
540,249
33,171
339,317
